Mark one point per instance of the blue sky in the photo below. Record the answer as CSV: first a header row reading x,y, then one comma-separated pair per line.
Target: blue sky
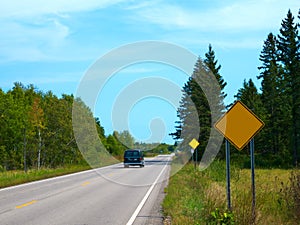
x,y
51,44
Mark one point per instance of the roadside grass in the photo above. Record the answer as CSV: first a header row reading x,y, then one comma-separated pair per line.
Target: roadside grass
x,y
15,177
199,197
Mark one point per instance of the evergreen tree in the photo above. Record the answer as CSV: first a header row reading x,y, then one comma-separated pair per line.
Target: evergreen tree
x,y
249,95
211,62
177,134
194,107
289,56
271,96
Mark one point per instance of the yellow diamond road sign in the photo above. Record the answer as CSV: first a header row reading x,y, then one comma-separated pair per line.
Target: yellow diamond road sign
x,y
194,143
239,125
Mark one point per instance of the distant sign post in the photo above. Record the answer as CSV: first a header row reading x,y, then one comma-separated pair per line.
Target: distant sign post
x,y
239,125
194,144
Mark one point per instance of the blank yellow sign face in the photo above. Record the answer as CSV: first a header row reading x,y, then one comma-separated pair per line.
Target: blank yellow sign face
x,y
194,143
239,125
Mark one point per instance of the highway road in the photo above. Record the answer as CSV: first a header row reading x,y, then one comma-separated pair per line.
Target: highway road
x,y
109,195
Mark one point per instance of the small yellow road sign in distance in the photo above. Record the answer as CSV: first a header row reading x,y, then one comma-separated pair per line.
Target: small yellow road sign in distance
x,y
239,125
194,143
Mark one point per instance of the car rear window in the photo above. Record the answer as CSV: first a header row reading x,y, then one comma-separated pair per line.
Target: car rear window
x,y
131,153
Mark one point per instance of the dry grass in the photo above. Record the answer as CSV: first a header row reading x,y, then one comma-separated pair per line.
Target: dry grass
x,y
193,195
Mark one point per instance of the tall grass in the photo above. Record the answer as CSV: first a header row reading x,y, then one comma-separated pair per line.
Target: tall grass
x,y
290,195
194,197
10,178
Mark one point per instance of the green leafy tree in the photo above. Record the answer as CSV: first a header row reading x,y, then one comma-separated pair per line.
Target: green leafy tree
x,y
17,122
4,152
125,138
36,130
114,147
161,149
36,116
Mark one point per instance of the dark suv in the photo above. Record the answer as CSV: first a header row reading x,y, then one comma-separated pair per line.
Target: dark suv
x,y
134,157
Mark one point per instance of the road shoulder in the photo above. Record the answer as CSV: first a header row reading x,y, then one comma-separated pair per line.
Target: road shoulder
x,y
152,212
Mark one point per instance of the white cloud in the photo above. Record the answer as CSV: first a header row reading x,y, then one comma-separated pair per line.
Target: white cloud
x,y
31,41
244,15
32,8
33,30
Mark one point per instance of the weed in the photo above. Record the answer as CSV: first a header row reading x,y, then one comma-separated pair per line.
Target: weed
x,y
220,218
290,195
193,196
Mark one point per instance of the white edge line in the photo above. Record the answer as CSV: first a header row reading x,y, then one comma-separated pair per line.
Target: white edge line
x,y
142,203
56,178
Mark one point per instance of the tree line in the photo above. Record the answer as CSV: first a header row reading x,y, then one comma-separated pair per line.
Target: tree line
x,y
277,103
36,131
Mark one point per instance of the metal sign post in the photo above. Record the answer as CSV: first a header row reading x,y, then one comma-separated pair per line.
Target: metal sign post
x,y
192,152
227,146
196,152
239,125
252,179
194,144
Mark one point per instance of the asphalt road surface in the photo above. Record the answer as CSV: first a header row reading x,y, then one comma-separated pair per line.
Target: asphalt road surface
x,y
110,195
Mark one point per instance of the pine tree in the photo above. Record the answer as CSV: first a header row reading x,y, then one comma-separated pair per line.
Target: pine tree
x,y
194,110
249,95
271,96
289,56
211,62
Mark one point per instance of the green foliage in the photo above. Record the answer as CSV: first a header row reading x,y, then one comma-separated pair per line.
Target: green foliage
x,y
221,218
36,131
194,111
273,99
114,146
249,95
278,144
278,103
289,57
125,138
161,149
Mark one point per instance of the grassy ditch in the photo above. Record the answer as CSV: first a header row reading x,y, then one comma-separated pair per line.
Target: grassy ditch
x,y
199,197
10,178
